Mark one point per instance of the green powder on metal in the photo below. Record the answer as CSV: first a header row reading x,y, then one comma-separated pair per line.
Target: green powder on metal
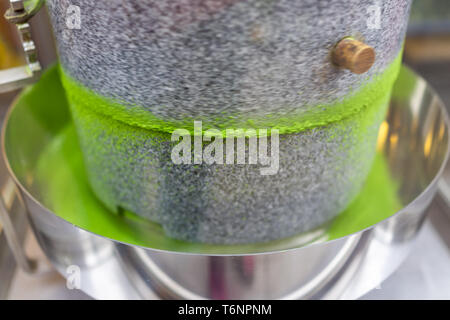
x,y
61,176
377,201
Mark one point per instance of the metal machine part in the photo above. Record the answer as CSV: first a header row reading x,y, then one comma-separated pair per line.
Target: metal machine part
x,y
21,11
9,257
17,77
344,268
14,238
232,82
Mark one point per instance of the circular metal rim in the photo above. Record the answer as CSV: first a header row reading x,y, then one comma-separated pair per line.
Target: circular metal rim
x,y
431,186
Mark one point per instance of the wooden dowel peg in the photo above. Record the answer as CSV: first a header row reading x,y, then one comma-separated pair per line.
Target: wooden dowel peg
x,y
353,55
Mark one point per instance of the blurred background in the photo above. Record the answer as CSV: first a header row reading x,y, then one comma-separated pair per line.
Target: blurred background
x,y
424,275
427,48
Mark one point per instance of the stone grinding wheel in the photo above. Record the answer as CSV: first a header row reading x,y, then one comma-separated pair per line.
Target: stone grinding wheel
x,y
137,70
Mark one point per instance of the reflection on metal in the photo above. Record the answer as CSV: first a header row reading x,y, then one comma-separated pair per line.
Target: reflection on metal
x,y
382,134
343,268
13,239
15,78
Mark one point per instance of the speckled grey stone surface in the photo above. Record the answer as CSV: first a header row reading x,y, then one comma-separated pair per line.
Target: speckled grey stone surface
x,y
218,59
320,172
214,59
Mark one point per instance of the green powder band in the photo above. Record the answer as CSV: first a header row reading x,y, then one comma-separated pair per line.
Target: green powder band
x,y
367,96
61,161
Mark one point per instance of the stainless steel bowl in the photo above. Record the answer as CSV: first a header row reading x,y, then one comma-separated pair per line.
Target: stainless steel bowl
x,y
416,146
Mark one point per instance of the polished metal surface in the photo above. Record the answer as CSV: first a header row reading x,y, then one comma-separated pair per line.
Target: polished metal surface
x,y
8,263
12,236
18,77
444,186
416,146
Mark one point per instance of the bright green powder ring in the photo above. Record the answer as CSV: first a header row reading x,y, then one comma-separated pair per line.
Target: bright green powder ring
x,y
370,94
